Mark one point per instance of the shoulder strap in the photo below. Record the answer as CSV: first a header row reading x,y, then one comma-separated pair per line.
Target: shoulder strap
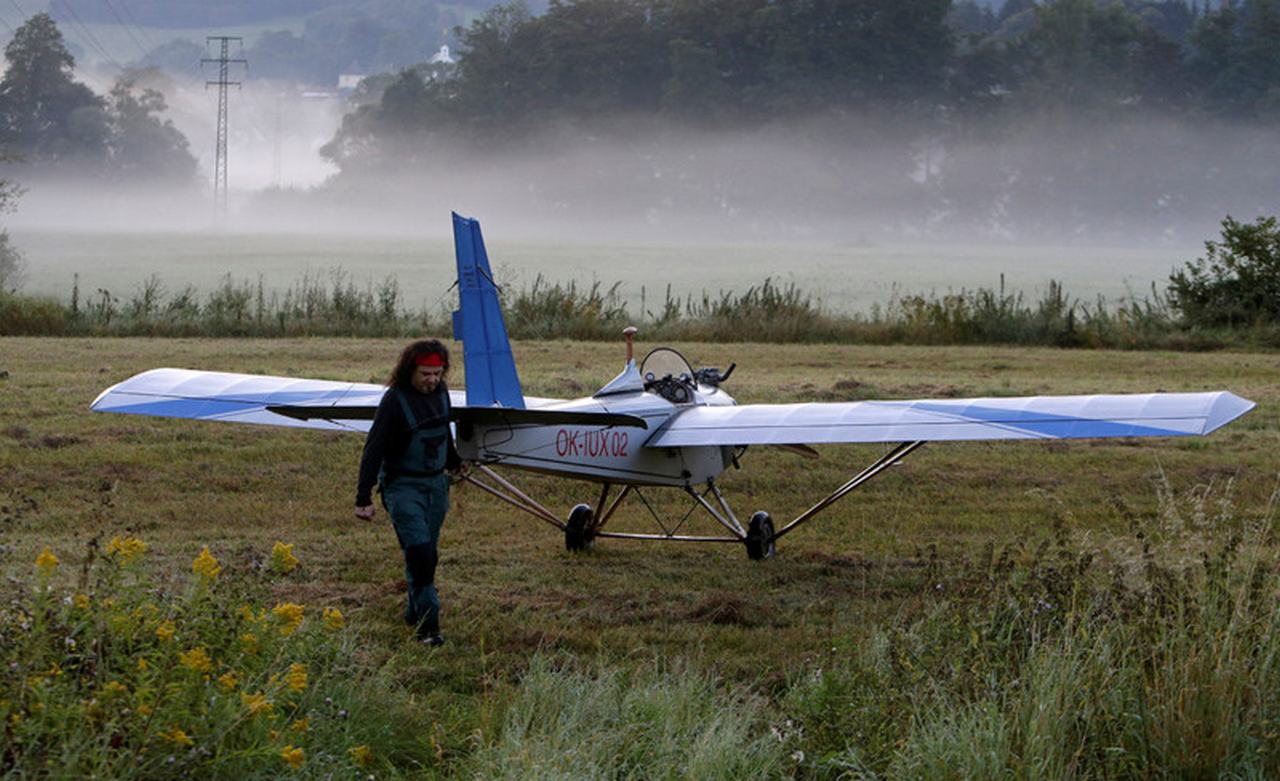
x,y
408,413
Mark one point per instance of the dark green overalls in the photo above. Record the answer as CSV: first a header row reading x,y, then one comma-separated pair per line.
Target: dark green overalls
x,y
415,491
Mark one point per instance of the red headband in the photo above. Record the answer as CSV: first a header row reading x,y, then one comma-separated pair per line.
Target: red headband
x,y
429,359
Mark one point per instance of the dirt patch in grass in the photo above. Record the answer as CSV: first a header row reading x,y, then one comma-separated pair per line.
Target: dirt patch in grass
x,y
927,390
724,609
55,441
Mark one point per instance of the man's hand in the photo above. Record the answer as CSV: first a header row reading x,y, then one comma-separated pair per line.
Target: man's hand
x,y
459,474
365,513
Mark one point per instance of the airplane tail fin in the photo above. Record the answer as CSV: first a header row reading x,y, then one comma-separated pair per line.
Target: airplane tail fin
x,y
486,351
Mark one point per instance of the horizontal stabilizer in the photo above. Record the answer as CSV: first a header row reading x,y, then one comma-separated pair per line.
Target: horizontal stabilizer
x,y
1031,417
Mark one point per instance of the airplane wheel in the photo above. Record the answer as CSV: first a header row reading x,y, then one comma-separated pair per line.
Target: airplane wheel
x,y
760,537
577,530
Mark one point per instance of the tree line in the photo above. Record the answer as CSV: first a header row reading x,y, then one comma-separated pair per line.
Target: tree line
x,y
1086,117
729,61
53,125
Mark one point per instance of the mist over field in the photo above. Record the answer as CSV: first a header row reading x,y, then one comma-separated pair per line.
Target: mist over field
x,y
1158,181
932,146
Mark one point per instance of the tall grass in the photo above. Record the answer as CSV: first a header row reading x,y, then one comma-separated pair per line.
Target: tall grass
x,y
1035,665
332,304
650,722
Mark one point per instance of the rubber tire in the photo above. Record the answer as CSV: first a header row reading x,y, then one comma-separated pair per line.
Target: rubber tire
x,y
577,529
760,543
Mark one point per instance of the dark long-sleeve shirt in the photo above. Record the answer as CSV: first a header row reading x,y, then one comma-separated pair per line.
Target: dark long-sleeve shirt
x,y
389,434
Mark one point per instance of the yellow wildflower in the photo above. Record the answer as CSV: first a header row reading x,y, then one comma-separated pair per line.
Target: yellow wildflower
x,y
144,710
177,737
273,735
165,630
195,659
282,558
142,664
82,601
301,725
256,703
54,671
249,642
294,757
114,687
333,619
228,680
290,615
46,562
126,550
296,678
362,754
205,565
245,613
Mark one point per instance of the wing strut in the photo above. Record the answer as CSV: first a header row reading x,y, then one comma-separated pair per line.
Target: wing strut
x,y
512,495
885,461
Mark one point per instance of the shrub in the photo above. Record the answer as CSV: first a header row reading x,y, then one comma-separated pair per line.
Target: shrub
x,y
1237,282
11,264
22,315
1034,664
123,676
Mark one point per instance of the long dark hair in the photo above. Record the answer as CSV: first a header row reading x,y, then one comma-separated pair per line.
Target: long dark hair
x,y
402,376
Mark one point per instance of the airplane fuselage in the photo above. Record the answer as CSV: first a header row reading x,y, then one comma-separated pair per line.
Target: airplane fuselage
x,y
603,454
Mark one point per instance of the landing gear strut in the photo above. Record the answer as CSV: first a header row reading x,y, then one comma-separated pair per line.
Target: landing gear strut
x,y
585,524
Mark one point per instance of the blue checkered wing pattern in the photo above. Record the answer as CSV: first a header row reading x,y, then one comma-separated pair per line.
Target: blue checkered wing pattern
x,y
1030,417
246,398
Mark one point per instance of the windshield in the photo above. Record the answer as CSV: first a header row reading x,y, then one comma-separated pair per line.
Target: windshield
x,y
663,362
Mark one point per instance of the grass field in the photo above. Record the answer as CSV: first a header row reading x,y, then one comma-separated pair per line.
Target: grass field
x,y
845,279
684,623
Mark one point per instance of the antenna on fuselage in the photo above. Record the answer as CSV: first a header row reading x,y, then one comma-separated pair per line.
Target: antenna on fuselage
x,y
629,333
629,381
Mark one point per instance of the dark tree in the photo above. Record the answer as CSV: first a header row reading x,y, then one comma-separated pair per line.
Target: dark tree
x,y
10,258
46,117
1237,282
144,147
1236,59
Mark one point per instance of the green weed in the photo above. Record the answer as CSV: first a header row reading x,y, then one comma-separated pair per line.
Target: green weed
x,y
111,672
331,304
635,722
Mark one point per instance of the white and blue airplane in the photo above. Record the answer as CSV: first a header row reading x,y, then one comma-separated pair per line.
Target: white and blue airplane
x,y
657,424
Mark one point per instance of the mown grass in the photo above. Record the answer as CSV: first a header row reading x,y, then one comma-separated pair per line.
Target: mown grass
x,y
332,304
844,652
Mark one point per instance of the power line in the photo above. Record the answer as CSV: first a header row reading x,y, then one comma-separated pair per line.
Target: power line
x,y
145,38
90,38
128,30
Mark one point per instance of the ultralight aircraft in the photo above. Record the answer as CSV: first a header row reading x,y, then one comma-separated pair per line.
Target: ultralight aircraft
x,y
661,423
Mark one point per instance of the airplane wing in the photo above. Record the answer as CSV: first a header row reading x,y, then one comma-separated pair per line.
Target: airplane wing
x,y
302,403
1030,417
240,398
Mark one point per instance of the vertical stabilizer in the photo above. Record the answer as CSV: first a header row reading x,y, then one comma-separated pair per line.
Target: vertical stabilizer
x,y
486,352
